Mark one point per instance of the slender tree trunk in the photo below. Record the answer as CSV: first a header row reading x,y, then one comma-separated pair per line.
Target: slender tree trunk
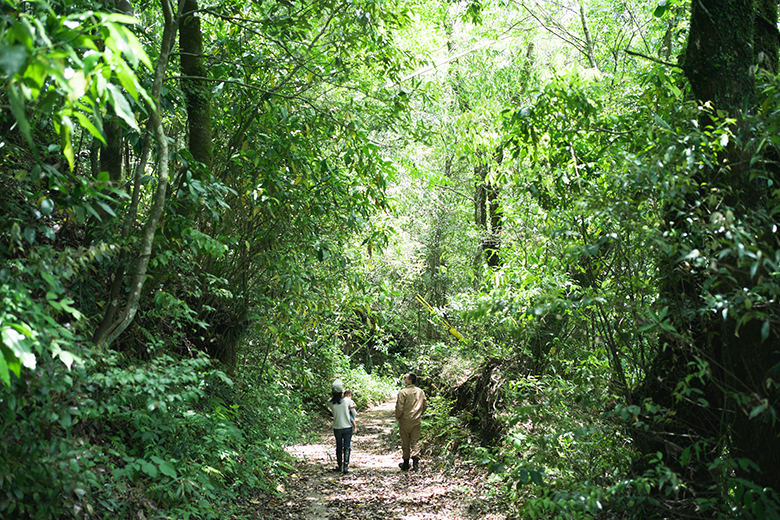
x,y
496,224
487,214
590,48
197,92
111,153
119,275
108,332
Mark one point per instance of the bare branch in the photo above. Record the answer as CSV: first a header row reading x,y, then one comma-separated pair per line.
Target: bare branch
x,y
650,58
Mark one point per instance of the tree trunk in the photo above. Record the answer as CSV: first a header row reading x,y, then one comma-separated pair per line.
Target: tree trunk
x,y
726,42
196,91
111,153
496,225
113,325
719,56
767,36
590,47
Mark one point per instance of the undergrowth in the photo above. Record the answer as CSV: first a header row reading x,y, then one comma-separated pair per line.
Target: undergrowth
x,y
173,438
369,389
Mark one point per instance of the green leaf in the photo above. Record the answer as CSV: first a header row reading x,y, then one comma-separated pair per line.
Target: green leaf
x,y
105,207
127,78
29,234
524,477
17,108
765,331
758,511
67,144
167,468
90,60
757,410
12,59
92,212
67,358
21,355
121,18
660,9
65,303
53,283
46,205
125,42
121,106
4,372
149,468
86,123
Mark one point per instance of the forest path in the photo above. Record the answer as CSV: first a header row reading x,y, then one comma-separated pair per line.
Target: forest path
x,y
375,488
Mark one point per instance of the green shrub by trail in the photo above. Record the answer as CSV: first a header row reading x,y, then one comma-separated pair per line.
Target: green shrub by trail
x,y
172,437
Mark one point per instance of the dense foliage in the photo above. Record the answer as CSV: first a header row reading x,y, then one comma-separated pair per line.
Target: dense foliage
x,y
560,215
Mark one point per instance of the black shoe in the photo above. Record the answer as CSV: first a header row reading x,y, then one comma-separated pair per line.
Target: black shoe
x,y
337,469
404,465
416,463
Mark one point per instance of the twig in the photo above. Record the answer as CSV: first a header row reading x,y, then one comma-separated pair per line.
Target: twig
x,y
650,58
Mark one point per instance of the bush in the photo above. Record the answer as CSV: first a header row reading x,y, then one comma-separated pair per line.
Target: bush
x,y
443,432
115,436
369,389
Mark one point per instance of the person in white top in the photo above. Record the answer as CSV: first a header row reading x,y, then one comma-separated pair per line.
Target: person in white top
x,y
342,425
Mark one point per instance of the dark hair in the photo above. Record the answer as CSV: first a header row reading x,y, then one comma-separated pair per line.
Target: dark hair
x,y
336,398
412,378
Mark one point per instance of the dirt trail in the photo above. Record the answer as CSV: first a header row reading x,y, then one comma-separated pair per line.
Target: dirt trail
x,y
375,488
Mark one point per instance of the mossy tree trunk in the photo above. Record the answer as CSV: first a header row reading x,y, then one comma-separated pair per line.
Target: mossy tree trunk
x,y
196,90
487,214
728,41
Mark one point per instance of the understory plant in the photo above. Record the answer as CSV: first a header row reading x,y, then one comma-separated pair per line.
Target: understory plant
x,y
115,435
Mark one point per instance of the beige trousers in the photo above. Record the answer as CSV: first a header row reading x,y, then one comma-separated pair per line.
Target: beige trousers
x,y
410,438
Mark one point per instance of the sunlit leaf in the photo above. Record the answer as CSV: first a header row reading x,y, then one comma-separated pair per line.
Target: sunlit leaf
x,y
121,106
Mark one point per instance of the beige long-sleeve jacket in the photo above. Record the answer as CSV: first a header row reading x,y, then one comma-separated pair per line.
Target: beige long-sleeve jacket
x,y
410,404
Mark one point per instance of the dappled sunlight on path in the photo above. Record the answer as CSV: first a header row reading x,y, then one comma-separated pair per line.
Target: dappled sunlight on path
x,y
375,488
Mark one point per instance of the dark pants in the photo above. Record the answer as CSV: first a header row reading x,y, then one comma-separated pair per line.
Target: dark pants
x,y
343,445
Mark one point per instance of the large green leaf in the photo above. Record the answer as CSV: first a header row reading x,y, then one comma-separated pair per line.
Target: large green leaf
x,y
121,106
12,58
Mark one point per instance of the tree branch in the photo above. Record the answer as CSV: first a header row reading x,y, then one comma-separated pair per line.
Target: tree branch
x,y
650,58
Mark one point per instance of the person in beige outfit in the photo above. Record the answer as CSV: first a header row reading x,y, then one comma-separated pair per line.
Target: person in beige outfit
x,y
409,408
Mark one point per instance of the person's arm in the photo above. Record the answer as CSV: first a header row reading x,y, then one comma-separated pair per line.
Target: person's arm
x,y
399,406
